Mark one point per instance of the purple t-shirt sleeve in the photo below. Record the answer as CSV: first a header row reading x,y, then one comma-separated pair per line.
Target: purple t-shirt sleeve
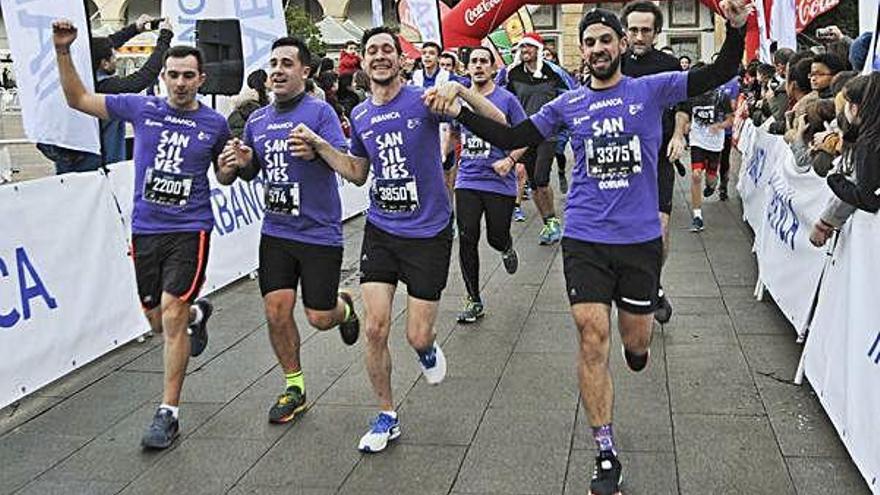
x,y
331,129
550,117
357,146
124,107
222,138
667,88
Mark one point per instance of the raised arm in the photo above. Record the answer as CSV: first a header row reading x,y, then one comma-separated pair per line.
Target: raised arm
x,y
726,65
78,98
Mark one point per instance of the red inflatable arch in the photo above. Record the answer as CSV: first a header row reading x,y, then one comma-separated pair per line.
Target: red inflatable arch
x,y
472,20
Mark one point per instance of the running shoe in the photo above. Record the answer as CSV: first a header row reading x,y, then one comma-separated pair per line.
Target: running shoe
x,y
162,431
350,328
697,225
383,429
663,311
555,230
288,405
473,311
607,475
510,260
563,184
518,214
545,238
433,364
722,194
198,332
711,184
636,362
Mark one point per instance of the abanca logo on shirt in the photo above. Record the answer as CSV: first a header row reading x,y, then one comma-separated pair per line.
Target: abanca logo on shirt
x,y
613,102
385,116
279,125
178,120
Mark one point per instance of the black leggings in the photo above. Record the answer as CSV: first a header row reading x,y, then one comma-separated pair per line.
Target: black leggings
x,y
470,205
725,163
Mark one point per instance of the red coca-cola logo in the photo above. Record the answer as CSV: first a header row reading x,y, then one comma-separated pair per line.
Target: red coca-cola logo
x,y
471,16
807,10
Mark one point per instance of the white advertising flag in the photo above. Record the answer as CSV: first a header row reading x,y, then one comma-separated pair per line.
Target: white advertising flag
x,y
46,116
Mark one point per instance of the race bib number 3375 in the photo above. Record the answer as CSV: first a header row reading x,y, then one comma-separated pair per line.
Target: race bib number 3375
x,y
613,156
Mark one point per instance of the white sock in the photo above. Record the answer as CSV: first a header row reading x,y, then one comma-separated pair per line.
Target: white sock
x,y
698,213
392,413
173,409
198,314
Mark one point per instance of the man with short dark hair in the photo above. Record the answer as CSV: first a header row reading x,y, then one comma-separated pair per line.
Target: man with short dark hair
x,y
301,241
177,140
822,71
780,60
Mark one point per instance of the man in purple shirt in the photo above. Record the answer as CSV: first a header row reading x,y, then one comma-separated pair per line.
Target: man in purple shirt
x,y
612,246
177,139
485,185
301,242
408,235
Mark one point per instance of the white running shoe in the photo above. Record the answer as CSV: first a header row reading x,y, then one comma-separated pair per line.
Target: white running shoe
x,y
433,364
383,430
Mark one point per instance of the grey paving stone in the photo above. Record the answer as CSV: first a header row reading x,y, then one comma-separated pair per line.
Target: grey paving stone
x,y
728,455
521,429
409,469
711,379
820,476
699,284
116,455
754,317
700,329
54,487
498,468
771,355
25,455
478,355
429,424
280,490
684,305
21,412
548,332
538,381
644,473
317,450
202,466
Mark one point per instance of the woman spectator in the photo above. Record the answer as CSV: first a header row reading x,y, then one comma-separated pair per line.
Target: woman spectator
x,y
861,190
253,97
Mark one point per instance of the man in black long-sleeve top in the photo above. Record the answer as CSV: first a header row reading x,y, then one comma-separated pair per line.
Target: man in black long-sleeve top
x,y
612,247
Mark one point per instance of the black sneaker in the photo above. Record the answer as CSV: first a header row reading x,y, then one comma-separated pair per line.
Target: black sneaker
x,y
680,168
510,260
722,195
350,328
198,332
697,225
607,475
473,311
663,311
563,184
636,362
708,191
288,405
162,431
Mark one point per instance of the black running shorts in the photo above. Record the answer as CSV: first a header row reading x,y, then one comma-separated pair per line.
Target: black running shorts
x,y
284,264
704,159
422,264
173,263
628,274
538,160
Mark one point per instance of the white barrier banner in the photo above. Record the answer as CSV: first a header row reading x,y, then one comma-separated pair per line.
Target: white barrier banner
x,y
842,354
46,116
67,289
262,21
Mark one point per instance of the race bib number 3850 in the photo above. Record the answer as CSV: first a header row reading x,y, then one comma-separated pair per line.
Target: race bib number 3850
x,y
167,188
282,198
396,195
613,156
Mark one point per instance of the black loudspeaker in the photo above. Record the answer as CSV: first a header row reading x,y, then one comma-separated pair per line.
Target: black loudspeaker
x,y
220,41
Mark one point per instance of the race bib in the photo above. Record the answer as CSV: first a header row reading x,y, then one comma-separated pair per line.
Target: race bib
x,y
474,147
704,115
613,156
167,188
282,198
396,195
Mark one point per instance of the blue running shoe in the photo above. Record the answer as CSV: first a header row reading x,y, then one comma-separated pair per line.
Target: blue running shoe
x,y
162,431
555,230
384,429
518,214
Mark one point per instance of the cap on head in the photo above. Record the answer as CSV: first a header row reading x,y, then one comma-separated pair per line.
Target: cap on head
x,y
600,16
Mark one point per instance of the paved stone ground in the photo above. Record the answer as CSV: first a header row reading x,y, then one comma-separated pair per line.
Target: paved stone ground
x,y
714,413
27,162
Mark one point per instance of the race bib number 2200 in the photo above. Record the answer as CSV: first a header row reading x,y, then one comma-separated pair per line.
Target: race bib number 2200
x,y
167,188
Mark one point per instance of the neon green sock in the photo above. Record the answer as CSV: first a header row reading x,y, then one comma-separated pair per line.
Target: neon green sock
x,y
295,379
346,313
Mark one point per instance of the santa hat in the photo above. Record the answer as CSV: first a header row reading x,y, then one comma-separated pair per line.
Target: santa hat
x,y
531,39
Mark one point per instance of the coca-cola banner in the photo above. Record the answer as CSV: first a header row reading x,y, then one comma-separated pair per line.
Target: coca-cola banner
x,y
807,10
472,20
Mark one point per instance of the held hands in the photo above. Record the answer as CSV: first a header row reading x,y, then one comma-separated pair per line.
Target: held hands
x,y
820,233
736,11
63,34
235,155
303,142
503,166
443,99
